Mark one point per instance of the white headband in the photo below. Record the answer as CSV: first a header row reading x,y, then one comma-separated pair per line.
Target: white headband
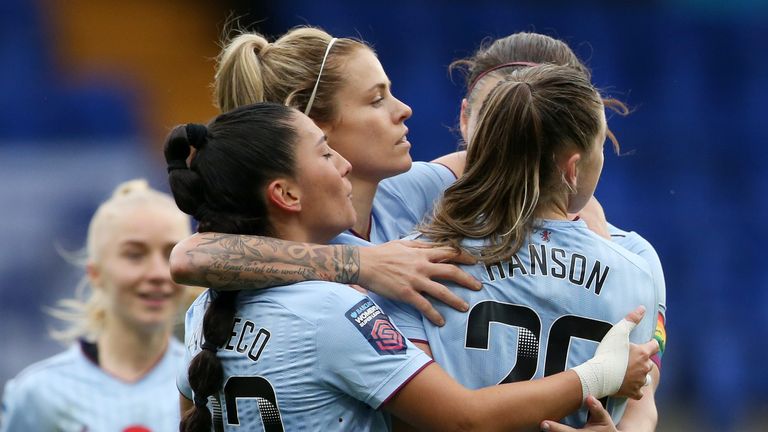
x,y
317,83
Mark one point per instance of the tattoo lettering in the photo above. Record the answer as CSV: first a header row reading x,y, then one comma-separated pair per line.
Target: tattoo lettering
x,y
228,261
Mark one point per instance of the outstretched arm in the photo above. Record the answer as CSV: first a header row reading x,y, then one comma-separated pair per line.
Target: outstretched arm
x,y
235,262
434,401
641,415
399,270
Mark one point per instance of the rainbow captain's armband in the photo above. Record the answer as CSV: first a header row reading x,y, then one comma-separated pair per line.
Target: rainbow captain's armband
x,y
660,334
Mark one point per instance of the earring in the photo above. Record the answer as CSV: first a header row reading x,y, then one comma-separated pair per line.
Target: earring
x,y
569,187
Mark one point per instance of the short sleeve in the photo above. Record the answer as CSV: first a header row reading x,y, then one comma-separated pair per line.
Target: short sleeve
x,y
406,317
638,245
360,352
182,378
20,409
410,196
192,328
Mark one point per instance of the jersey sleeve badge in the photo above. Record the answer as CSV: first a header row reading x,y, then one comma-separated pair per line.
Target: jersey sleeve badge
x,y
376,328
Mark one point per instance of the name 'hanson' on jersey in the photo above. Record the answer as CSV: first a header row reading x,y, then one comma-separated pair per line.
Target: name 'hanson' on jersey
x,y
542,311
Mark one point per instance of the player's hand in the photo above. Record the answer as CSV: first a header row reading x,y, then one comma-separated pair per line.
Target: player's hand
x,y
406,270
599,420
610,368
639,366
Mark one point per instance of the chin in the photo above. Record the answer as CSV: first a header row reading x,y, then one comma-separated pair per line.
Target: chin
x,y
154,327
403,166
157,319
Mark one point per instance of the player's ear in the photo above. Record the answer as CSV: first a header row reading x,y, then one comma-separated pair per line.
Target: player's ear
x,y
464,119
93,273
284,194
570,169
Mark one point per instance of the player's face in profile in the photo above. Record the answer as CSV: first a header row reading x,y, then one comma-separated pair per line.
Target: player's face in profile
x,y
370,129
321,173
590,166
132,269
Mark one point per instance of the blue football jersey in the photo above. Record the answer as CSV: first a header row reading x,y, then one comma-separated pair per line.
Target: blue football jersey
x,y
306,356
69,392
542,311
636,244
402,201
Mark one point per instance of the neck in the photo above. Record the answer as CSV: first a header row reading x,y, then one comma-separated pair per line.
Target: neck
x,y
129,354
363,192
292,227
553,209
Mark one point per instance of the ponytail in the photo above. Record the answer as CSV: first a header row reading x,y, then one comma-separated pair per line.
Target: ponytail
x,y
239,78
526,121
206,374
235,157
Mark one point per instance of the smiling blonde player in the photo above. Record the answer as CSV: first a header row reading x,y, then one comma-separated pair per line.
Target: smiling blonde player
x,y
120,373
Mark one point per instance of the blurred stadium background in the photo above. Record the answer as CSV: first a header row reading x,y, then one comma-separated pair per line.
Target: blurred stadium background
x,y
90,88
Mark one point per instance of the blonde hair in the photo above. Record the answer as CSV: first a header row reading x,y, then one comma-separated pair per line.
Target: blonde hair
x,y
85,312
250,69
527,120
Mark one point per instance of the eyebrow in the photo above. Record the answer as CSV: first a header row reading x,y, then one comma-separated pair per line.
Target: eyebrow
x,y
141,243
322,140
381,86
132,242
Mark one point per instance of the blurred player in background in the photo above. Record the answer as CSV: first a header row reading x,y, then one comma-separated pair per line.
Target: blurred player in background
x,y
119,375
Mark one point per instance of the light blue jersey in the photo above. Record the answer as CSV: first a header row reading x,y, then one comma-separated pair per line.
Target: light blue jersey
x,y
636,244
69,392
401,202
308,356
540,312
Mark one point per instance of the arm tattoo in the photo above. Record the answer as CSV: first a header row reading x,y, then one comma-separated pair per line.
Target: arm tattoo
x,y
350,265
229,261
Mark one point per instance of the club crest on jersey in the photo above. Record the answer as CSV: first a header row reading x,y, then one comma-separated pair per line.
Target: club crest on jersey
x,y
545,235
376,328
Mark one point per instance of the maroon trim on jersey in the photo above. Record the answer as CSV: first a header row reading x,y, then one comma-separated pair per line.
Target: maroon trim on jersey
x,y
448,168
656,360
419,341
367,237
400,387
90,351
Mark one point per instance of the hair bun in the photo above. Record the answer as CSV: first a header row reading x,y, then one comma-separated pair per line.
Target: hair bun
x,y
197,135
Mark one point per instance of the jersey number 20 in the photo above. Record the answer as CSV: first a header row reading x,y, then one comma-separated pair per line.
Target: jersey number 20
x,y
529,325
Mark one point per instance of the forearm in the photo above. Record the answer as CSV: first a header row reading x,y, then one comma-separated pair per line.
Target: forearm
x,y
525,404
434,401
233,262
641,415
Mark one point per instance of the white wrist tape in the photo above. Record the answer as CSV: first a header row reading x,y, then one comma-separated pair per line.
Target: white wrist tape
x,y
603,374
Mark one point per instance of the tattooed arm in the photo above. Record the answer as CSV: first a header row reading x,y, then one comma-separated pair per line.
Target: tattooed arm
x,y
235,262
399,270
